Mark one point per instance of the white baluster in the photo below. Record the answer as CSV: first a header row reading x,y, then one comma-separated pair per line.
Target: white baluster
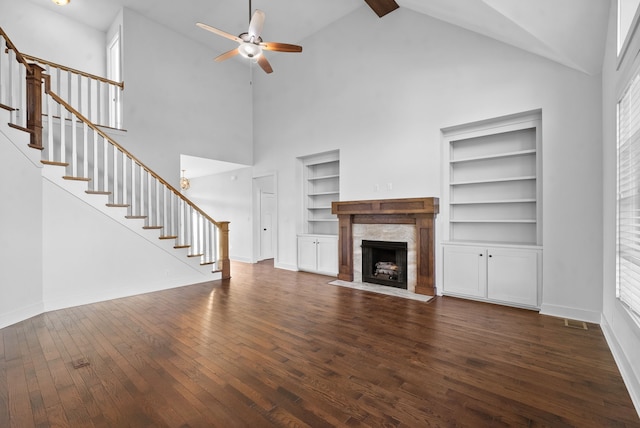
x,y
79,94
134,204
96,169
22,98
74,146
85,149
50,146
2,73
89,106
10,68
116,190
63,140
148,199
58,79
99,103
105,163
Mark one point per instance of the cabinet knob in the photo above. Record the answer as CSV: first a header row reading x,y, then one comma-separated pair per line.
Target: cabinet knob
x,y
480,254
490,255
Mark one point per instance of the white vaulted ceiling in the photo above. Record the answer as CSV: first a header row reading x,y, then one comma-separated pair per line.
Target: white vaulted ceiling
x,y
571,32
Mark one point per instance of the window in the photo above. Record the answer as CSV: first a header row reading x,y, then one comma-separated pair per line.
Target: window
x,y
628,233
626,13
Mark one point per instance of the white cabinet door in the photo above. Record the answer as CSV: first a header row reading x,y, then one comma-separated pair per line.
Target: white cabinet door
x,y
327,253
307,257
513,276
465,271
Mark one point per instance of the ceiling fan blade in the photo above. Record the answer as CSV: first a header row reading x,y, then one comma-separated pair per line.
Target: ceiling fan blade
x,y
280,47
256,24
219,32
382,7
264,64
227,55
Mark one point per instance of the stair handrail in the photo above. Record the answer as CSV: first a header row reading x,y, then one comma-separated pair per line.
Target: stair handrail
x,y
73,70
10,46
125,151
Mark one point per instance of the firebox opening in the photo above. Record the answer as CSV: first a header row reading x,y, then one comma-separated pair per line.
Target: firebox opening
x,y
385,263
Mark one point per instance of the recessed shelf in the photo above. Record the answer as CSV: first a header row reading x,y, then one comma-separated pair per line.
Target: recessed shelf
x,y
495,156
494,180
515,221
496,201
322,193
325,177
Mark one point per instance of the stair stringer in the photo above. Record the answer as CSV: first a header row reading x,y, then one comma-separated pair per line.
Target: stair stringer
x,y
122,260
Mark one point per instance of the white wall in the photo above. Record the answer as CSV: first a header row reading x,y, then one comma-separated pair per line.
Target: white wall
x,y
39,32
380,93
227,197
20,227
177,100
89,256
623,334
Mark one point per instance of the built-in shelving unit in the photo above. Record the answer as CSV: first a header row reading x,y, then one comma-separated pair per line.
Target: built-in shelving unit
x,y
493,187
492,206
321,186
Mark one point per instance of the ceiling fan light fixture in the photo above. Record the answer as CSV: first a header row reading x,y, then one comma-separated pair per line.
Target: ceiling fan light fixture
x,y
61,2
249,50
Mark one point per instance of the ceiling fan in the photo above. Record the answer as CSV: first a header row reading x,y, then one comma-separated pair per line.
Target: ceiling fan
x,y
250,44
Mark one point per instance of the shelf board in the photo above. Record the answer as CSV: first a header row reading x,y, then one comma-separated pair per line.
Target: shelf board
x,y
495,201
324,177
323,193
318,208
520,221
495,156
323,220
494,180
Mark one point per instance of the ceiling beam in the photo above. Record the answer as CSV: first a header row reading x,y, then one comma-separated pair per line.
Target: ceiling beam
x,y
382,7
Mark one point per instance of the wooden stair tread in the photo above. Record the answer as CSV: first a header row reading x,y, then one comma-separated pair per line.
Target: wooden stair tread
x,y
117,205
195,255
6,107
68,177
152,227
206,263
54,163
169,237
135,216
181,246
97,192
20,128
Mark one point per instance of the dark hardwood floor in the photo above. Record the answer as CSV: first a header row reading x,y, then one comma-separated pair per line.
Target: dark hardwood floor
x,y
277,348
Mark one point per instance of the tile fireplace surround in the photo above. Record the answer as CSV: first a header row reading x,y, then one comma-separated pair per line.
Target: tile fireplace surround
x,y
385,214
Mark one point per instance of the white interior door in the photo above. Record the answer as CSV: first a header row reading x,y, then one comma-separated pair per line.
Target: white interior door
x,y
114,72
267,215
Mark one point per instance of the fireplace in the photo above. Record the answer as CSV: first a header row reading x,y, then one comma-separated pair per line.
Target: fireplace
x,y
385,263
418,214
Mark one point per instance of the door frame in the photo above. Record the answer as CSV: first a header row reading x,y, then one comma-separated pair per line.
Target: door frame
x,y
264,183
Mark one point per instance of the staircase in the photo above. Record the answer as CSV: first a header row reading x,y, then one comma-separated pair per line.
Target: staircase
x,y
78,155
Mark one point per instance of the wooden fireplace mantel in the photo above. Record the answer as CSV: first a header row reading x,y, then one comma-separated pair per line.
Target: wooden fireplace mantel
x,y
419,211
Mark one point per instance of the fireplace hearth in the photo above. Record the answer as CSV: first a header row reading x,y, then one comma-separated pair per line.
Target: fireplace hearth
x,y
384,263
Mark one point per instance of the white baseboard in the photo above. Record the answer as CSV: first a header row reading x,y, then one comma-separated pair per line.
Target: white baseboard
x,y
241,259
571,313
624,365
285,266
21,314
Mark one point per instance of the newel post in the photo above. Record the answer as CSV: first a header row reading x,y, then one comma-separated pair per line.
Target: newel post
x,y
34,105
225,265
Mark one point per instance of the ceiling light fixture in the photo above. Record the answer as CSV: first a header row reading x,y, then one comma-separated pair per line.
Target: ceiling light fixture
x,y
61,2
249,50
184,182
